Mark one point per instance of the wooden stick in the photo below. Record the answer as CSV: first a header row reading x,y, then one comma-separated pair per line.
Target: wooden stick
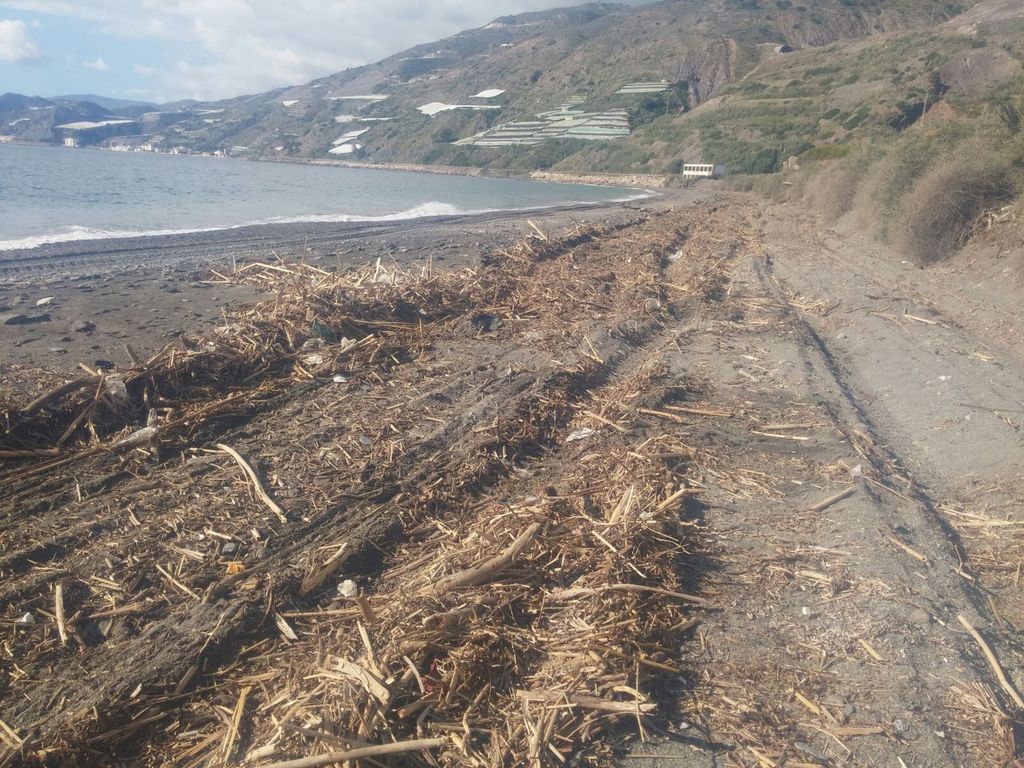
x,y
682,492
662,415
821,506
609,422
398,748
31,454
257,487
366,609
60,391
779,436
174,582
700,411
228,746
566,594
487,570
325,571
993,662
561,698
58,599
909,550
536,229
132,355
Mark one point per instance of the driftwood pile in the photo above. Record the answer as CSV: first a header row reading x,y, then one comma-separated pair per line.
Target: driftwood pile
x,y
515,633
368,317
525,615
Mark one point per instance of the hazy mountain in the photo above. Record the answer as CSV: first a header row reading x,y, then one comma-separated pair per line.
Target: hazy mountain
x,y
106,102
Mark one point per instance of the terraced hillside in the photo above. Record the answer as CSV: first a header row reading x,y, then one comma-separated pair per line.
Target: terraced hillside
x,y
539,60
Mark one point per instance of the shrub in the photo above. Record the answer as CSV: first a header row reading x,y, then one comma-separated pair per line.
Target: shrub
x,y
938,215
832,187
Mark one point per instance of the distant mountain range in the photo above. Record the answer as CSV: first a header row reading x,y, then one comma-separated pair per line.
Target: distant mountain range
x,y
602,86
106,102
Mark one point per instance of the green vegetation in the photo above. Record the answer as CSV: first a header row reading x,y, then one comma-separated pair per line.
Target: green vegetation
x,y
913,133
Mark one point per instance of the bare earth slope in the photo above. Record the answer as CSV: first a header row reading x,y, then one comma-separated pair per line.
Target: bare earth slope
x,y
708,485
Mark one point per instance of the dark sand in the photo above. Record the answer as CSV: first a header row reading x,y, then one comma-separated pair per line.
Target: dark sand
x,y
146,291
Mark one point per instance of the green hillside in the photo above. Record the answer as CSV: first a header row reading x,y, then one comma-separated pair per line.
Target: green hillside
x,y
542,60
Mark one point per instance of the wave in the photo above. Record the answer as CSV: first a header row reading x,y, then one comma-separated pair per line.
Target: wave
x,y
424,210
74,234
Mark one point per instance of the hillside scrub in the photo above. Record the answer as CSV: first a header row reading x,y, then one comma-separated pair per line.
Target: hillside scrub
x,y
938,216
832,186
924,192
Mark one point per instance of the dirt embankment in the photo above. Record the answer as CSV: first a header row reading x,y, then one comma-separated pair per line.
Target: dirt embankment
x,y
696,486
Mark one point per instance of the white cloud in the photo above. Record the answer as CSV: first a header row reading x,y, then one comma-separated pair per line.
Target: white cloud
x,y
99,65
16,44
229,47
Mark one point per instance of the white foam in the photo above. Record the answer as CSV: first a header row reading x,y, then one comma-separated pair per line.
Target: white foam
x,y
424,210
76,233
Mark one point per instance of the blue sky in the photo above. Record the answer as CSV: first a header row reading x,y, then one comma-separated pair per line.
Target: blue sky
x,y
164,50
72,57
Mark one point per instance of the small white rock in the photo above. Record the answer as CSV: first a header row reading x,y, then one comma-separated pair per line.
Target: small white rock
x,y
348,588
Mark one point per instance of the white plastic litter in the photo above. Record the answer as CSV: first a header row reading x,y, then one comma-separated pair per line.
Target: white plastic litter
x,y
579,434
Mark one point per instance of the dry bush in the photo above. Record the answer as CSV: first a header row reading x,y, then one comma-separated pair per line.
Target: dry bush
x,y
832,187
767,185
938,215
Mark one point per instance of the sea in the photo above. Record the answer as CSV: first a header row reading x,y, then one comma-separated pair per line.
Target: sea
x,y
56,194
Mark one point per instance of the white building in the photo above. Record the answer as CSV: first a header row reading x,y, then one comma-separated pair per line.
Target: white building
x,y
698,171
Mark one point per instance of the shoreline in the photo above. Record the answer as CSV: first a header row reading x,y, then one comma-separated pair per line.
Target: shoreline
x,y
89,301
646,181
215,244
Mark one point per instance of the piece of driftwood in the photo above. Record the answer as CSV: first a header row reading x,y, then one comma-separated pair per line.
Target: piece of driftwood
x,y
64,389
334,563
487,570
908,549
997,668
380,750
559,698
457,616
254,479
373,684
58,612
824,504
561,595
38,453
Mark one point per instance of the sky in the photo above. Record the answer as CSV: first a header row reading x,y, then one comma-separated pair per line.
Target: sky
x,y
165,50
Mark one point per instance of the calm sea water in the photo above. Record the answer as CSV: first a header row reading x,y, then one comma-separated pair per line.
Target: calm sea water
x,y
50,194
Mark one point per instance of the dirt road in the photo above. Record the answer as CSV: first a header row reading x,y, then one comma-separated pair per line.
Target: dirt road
x,y
708,487
838,641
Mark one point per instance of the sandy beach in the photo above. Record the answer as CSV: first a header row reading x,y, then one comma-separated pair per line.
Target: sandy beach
x,y
106,300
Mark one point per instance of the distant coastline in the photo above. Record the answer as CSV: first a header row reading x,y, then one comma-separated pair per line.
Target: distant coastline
x,y
634,180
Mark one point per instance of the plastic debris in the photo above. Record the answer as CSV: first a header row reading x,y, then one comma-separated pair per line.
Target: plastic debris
x,y
579,434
